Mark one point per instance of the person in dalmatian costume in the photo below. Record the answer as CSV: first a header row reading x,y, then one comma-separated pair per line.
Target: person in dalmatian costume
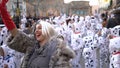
x,y
61,27
57,21
23,22
88,56
87,24
103,52
76,27
103,48
90,49
89,52
77,46
102,42
76,18
70,23
69,30
8,57
5,54
66,30
114,47
4,33
95,25
60,30
81,24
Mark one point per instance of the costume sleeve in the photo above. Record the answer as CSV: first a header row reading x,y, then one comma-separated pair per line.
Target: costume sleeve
x,y
20,42
6,16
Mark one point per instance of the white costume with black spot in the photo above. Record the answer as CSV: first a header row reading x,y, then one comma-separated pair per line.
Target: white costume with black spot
x,y
1,62
77,46
89,52
114,48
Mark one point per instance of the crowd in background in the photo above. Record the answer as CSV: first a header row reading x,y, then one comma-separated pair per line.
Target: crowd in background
x,y
94,39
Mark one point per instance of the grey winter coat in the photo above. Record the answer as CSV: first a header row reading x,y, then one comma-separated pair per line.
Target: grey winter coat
x,y
36,56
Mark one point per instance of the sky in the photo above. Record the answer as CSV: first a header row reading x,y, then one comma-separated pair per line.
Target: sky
x,y
92,2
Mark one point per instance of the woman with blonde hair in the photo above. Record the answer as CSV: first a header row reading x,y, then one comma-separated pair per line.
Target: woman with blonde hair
x,y
38,47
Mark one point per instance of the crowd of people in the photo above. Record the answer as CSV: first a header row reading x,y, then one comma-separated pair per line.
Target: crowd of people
x,y
61,41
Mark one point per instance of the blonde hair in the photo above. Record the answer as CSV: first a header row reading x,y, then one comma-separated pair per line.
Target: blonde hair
x,y
47,30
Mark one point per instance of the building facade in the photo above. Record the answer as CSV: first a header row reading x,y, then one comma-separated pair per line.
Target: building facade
x,y
55,7
80,8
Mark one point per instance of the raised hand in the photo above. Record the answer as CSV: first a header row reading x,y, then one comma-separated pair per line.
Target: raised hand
x,y
3,3
9,23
